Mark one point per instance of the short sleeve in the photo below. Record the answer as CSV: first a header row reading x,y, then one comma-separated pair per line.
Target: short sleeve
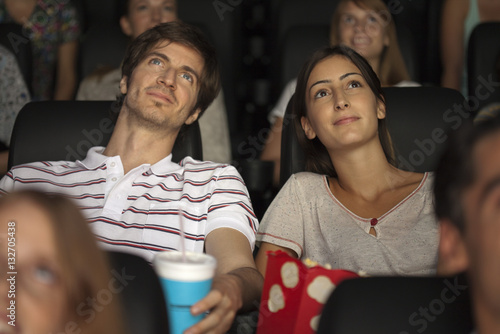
x,y
280,107
230,205
283,222
69,24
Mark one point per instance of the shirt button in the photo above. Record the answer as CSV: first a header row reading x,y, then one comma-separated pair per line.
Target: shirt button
x,y
113,164
113,179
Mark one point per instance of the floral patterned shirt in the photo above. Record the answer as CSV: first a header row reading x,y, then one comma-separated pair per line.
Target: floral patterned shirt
x,y
13,93
51,24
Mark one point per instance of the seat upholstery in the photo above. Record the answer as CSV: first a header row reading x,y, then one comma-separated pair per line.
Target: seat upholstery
x,y
141,296
418,119
483,55
65,130
381,305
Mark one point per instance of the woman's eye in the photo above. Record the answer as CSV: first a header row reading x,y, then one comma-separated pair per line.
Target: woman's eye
x,y
320,94
372,19
348,19
169,9
354,84
187,76
44,275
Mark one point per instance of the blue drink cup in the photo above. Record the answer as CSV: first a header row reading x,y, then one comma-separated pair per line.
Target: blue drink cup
x,y
184,284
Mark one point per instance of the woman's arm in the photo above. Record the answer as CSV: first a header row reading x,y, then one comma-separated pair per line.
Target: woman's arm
x,y
272,149
261,259
66,71
452,42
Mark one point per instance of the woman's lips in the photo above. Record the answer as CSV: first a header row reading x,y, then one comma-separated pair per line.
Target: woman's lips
x,y
346,120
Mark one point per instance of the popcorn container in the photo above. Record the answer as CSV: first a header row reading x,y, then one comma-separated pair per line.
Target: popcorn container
x,y
294,294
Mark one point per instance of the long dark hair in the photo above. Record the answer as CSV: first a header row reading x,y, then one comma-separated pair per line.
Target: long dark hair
x,y
317,158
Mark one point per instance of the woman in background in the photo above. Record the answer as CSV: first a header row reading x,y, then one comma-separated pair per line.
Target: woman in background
x,y
367,27
352,208
59,268
53,29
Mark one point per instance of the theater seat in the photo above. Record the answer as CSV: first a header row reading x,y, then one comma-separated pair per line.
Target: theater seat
x,y
483,57
141,296
65,130
399,305
418,119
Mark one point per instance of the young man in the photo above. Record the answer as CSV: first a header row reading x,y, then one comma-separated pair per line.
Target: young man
x,y
135,197
467,194
137,16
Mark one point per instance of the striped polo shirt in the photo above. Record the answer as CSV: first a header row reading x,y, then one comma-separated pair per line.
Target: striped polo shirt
x,y
146,210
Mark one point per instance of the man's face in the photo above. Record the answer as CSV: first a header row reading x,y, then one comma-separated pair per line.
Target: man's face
x,y
145,14
163,88
481,203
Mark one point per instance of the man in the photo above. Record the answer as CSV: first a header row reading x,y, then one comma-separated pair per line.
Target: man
x,y
467,192
137,16
137,200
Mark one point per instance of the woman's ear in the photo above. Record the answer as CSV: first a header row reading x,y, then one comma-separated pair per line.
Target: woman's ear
x,y
380,110
306,126
126,26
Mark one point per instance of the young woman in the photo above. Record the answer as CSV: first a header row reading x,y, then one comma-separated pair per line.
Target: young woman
x,y
352,208
59,269
367,27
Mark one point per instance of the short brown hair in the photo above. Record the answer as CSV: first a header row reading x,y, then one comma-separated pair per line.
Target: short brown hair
x,y
317,157
187,35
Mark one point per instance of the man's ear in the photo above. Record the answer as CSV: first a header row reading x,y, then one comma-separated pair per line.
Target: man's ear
x,y
123,85
126,26
308,130
193,117
453,257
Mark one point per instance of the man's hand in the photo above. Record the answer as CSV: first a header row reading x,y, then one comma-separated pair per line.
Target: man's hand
x,y
236,285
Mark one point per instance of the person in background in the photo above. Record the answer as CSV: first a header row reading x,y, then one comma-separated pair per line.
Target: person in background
x,y
352,208
58,268
53,29
467,193
13,96
459,17
135,197
136,17
367,27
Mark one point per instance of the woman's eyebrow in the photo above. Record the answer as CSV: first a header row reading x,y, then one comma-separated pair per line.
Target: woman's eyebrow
x,y
342,77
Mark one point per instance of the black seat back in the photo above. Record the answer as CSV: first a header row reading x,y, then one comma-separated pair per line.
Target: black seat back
x,y
65,130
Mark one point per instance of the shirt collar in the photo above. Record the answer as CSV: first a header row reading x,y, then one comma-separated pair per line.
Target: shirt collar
x,y
95,159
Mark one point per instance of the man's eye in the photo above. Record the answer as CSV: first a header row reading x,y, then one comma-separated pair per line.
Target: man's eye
x,y
155,61
187,76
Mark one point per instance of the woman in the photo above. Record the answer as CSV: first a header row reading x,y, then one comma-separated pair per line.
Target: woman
x,y
353,208
367,27
53,29
58,269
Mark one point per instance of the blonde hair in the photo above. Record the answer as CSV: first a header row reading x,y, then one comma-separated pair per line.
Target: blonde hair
x,y
392,66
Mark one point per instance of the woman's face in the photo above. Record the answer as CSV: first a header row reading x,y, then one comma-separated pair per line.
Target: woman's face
x,y
342,110
146,14
39,293
363,30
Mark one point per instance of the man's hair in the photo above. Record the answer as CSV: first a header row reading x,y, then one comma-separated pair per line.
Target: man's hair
x,y
457,169
317,157
187,35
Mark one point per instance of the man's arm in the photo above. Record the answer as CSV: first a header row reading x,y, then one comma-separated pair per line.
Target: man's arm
x,y
237,285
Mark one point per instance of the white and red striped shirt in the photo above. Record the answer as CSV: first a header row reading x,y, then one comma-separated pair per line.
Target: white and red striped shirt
x,y
140,212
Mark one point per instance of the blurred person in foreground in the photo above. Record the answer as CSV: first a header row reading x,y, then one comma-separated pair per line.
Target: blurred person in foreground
x,y
137,16
59,268
137,199
467,193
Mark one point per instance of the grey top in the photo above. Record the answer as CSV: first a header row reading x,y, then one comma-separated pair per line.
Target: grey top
x,y
307,218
